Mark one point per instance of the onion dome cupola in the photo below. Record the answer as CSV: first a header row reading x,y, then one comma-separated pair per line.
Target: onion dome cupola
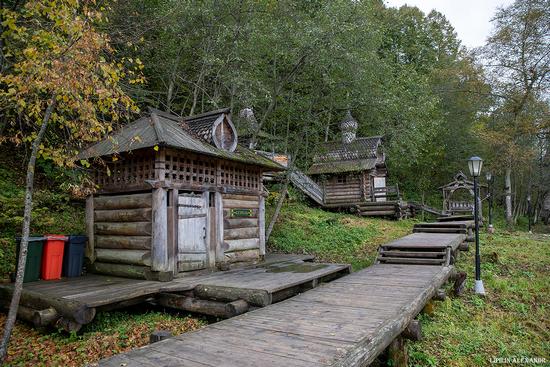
x,y
348,127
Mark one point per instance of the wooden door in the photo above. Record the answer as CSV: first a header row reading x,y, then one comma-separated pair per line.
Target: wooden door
x,y
380,184
193,231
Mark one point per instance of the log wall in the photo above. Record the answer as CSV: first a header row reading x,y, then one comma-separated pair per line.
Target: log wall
x,y
338,191
122,231
241,227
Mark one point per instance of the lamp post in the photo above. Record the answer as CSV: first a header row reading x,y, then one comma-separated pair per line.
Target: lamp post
x,y
475,164
529,212
489,178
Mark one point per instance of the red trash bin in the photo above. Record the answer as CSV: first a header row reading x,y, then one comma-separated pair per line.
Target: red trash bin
x,y
52,257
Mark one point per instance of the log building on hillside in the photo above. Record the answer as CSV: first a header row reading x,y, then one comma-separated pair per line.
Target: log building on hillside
x,y
175,195
352,171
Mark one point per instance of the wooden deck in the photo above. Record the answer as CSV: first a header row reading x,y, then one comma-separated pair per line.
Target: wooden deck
x,y
280,277
346,322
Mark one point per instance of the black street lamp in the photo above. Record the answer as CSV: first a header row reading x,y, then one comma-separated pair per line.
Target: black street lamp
x,y
489,178
529,209
475,164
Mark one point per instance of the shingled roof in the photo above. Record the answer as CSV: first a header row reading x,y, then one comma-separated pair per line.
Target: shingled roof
x,y
163,129
338,157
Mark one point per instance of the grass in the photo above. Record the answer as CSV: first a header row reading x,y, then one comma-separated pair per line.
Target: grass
x,y
333,237
511,321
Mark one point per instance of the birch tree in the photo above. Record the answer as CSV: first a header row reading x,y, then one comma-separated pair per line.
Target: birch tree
x,y
59,91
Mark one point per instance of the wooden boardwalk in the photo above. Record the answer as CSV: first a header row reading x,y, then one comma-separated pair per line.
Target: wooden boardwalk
x,y
346,322
278,278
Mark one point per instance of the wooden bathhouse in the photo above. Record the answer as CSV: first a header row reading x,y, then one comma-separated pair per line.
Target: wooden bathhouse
x,y
353,170
174,195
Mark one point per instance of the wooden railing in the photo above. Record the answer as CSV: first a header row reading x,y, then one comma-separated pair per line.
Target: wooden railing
x,y
308,186
387,192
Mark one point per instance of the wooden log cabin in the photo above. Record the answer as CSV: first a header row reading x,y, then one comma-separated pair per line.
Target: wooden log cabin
x,y
174,195
353,170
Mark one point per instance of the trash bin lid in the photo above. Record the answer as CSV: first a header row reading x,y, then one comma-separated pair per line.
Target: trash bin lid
x,y
32,238
55,237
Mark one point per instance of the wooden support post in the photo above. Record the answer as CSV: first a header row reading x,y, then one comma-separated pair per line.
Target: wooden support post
x,y
172,218
210,255
440,295
413,331
68,324
90,254
397,353
159,245
220,255
460,283
158,335
261,225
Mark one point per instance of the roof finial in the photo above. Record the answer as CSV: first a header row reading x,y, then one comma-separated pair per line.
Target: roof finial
x,y
348,126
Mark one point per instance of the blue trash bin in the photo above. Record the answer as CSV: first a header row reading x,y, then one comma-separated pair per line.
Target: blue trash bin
x,y
73,258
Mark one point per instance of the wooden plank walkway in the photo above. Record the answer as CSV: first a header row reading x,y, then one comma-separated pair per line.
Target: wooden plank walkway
x,y
275,277
346,322
427,240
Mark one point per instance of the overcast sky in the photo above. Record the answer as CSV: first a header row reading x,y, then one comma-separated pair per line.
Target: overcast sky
x,y
470,18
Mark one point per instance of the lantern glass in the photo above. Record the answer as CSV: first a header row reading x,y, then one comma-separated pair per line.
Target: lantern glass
x,y
475,164
488,176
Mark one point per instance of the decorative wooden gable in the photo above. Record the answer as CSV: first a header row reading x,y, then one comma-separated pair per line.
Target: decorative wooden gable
x,y
215,128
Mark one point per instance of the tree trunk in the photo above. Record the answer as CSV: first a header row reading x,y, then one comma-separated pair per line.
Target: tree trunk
x,y
508,193
29,187
277,210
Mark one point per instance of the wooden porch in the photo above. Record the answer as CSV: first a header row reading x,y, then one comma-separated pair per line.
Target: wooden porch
x,y
70,303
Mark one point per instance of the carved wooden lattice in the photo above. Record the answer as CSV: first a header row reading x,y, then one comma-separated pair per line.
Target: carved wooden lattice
x,y
181,168
127,170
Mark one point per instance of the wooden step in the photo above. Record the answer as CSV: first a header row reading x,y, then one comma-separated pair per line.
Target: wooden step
x,y
420,254
377,213
442,225
440,230
408,260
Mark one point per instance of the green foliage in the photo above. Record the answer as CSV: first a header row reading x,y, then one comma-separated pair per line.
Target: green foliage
x,y
331,237
53,212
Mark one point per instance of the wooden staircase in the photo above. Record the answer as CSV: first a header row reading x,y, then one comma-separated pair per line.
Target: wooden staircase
x,y
461,227
307,186
413,256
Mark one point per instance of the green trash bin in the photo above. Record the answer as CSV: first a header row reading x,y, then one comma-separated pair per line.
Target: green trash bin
x,y
34,258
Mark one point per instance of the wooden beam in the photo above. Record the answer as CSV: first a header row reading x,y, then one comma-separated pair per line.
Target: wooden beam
x,y
90,228
218,204
206,307
257,297
159,243
261,225
131,201
132,257
66,307
120,270
123,215
123,228
123,242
